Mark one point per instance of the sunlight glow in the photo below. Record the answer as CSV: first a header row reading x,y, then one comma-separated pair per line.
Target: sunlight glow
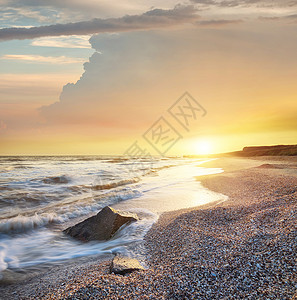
x,y
203,147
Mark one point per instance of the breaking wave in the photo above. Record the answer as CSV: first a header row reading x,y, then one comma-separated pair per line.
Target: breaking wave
x,y
112,185
20,224
56,180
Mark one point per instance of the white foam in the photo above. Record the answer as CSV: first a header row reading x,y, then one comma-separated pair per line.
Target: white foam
x,y
21,223
174,188
63,213
3,263
45,246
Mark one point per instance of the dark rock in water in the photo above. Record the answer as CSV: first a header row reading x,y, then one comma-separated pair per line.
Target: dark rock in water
x,y
123,265
102,226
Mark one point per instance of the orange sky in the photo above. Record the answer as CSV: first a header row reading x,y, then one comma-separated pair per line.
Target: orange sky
x,y
242,71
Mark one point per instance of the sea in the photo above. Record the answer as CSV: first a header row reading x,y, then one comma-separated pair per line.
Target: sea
x,y
43,195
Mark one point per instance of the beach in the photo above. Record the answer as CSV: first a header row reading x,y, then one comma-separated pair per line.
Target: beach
x,y
241,248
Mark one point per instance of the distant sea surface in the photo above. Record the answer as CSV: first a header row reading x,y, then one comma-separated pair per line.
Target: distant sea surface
x,y
40,196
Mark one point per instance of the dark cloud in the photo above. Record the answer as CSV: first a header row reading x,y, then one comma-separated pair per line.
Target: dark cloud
x,y
234,3
290,18
218,23
269,18
155,18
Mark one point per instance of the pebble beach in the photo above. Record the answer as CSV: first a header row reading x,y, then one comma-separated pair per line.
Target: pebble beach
x,y
243,248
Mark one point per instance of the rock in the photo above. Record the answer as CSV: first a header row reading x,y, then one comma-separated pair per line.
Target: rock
x,y
123,265
100,227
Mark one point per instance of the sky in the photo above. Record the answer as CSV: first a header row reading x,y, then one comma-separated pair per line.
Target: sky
x,y
172,77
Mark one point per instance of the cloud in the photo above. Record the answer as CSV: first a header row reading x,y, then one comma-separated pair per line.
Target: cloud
x,y
43,59
51,12
133,77
46,12
156,18
127,72
14,14
290,18
257,3
77,8
18,92
272,18
76,41
218,23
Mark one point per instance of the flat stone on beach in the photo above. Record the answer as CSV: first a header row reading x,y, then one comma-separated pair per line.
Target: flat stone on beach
x,y
101,226
123,265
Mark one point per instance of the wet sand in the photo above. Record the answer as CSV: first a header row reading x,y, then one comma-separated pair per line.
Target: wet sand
x,y
243,248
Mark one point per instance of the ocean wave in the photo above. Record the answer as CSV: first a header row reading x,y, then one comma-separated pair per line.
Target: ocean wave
x,y
59,213
22,166
112,185
56,180
83,188
4,169
5,188
11,158
117,160
154,171
79,188
21,224
46,247
27,199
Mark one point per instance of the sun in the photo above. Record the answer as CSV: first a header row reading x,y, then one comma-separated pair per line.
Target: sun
x,y
203,147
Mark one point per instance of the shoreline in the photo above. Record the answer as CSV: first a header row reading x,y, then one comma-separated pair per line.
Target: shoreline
x,y
242,247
